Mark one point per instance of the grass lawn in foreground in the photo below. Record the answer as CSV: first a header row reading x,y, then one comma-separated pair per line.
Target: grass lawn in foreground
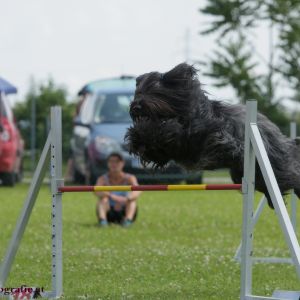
x,y
181,247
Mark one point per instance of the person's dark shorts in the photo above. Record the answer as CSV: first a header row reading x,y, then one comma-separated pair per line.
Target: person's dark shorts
x,y
114,216
118,217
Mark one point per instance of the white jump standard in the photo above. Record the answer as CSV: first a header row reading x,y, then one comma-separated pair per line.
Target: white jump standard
x,y
254,149
261,205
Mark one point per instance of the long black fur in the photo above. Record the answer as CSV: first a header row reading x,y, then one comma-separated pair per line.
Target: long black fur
x,y
173,119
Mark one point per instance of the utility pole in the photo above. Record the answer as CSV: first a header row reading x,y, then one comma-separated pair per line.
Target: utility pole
x,y
271,64
187,47
33,131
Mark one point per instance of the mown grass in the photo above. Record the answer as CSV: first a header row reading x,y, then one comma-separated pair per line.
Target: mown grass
x,y
181,247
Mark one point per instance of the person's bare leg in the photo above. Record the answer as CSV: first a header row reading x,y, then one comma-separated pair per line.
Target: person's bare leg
x,y
102,208
70,170
130,209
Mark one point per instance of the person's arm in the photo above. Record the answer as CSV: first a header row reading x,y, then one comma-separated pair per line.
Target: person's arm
x,y
100,181
117,198
134,194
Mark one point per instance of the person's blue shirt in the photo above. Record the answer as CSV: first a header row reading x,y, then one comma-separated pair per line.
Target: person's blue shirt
x,y
112,203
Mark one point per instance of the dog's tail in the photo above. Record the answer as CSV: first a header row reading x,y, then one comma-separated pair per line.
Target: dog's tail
x,y
297,158
287,175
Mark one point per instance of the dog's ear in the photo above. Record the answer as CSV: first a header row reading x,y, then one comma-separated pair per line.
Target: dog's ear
x,y
138,80
181,75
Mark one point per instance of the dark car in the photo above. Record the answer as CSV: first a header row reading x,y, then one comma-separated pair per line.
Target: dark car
x,y
100,128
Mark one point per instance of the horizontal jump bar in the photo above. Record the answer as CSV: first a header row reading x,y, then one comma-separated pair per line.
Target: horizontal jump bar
x,y
177,187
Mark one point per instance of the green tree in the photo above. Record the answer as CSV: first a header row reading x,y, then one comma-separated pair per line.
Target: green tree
x,y
44,96
234,63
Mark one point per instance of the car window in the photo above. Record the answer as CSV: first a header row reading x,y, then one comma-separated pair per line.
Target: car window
x,y
113,108
87,110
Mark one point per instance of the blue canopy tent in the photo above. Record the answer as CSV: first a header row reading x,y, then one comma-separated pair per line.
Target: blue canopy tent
x,y
6,87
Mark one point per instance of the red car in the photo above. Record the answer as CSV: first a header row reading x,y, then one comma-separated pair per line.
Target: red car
x,y
11,145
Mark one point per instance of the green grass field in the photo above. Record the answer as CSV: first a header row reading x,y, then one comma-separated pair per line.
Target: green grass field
x,y
181,247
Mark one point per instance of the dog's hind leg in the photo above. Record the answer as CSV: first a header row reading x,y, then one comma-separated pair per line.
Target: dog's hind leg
x,y
236,175
260,186
297,192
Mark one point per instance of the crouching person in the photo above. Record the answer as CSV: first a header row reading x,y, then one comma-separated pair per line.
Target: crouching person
x,y
116,207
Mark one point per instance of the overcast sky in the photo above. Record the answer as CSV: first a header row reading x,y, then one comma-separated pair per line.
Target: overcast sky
x,y
75,41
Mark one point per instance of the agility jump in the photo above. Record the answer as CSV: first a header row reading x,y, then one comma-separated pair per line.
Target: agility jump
x,y
254,150
161,187
259,209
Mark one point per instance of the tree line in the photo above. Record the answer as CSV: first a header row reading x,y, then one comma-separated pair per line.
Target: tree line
x,y
233,63
235,58
35,111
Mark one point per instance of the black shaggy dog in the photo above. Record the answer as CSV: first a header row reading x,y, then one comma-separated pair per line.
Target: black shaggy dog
x,y
173,119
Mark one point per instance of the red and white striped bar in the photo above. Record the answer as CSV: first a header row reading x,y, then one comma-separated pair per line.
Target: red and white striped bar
x,y
176,187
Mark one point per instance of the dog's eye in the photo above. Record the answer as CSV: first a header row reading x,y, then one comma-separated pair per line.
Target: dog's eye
x,y
138,80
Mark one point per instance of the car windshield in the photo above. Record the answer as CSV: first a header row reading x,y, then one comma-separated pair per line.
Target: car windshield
x,y
2,109
95,86
113,108
5,110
